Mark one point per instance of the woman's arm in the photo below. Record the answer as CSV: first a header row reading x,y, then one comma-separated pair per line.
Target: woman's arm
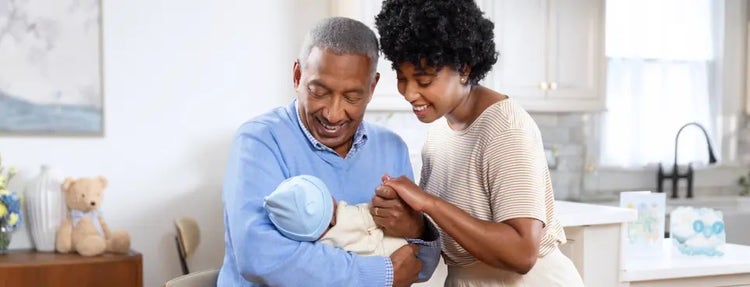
x,y
512,244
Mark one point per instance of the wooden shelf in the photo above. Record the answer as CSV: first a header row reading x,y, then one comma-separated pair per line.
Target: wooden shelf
x,y
31,268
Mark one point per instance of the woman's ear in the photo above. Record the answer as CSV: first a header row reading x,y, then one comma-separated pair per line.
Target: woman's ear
x,y
465,71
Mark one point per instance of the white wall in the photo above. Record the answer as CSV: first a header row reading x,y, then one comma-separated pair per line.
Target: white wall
x,y
180,77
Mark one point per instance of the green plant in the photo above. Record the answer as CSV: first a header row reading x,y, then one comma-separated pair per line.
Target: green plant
x,y
10,204
744,183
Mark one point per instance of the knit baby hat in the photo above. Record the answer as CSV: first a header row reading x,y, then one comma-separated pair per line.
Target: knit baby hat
x,y
301,207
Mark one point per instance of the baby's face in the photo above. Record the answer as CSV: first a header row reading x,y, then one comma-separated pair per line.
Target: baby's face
x,y
333,218
335,208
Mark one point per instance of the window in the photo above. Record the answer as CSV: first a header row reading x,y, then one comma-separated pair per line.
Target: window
x,y
660,73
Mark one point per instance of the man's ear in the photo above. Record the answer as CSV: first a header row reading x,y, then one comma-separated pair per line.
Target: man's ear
x,y
296,73
374,83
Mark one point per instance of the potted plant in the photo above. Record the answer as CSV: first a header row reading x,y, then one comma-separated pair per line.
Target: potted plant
x,y
10,208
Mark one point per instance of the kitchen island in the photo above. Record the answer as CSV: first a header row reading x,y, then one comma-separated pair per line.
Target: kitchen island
x,y
594,236
593,233
671,268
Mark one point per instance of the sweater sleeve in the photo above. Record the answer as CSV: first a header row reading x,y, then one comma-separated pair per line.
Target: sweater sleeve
x,y
429,247
261,253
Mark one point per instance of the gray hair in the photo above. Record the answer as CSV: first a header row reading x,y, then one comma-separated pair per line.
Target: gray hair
x,y
342,36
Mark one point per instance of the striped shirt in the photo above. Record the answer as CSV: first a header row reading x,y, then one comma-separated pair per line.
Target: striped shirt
x,y
494,170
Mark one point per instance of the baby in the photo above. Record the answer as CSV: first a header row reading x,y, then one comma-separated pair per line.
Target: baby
x,y
303,209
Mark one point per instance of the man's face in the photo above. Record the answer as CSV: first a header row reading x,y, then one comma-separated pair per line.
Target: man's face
x,y
333,92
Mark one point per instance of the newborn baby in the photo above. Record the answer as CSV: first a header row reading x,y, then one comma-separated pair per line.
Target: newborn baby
x,y
303,209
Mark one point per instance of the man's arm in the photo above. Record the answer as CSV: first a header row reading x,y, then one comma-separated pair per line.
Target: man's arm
x,y
264,255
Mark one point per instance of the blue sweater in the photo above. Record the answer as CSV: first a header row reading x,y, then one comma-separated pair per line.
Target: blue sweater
x,y
275,146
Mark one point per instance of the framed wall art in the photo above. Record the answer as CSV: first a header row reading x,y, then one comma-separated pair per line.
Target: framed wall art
x,y
51,79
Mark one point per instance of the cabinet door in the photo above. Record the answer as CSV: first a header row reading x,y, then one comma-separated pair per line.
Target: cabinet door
x,y
520,38
575,66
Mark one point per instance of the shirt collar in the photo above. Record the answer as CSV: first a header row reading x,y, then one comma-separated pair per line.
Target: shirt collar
x,y
360,136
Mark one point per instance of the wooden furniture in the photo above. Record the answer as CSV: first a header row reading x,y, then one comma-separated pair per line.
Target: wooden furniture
x,y
31,268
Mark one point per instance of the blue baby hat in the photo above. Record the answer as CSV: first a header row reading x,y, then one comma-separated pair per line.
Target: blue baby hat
x,y
301,207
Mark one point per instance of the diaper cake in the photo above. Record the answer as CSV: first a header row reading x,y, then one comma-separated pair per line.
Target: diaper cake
x,y
697,231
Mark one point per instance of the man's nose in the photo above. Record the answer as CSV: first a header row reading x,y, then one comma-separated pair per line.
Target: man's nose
x,y
335,112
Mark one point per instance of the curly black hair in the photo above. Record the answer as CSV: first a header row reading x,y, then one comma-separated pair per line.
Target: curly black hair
x,y
443,33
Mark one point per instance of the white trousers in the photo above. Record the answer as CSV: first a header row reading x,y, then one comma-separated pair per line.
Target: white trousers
x,y
554,269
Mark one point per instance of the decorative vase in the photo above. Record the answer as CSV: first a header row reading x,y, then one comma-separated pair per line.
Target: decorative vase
x,y
46,208
5,235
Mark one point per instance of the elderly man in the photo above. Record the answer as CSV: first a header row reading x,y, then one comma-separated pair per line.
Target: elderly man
x,y
322,133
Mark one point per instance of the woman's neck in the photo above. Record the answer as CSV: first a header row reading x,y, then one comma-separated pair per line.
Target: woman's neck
x,y
471,106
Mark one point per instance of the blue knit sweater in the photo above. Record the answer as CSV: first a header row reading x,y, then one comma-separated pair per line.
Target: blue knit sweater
x,y
275,146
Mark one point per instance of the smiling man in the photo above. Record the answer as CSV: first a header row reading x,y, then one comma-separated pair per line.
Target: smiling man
x,y
321,133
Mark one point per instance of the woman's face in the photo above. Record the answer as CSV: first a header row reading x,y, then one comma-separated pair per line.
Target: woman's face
x,y
431,93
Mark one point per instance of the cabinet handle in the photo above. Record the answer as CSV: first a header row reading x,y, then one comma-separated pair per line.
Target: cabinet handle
x,y
544,86
553,85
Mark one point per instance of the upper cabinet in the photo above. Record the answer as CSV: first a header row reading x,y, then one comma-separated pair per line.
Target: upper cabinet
x,y
551,53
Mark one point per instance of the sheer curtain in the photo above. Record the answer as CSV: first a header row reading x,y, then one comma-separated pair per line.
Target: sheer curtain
x,y
659,64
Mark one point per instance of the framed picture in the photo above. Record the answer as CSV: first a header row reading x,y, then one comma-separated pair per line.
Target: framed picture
x,y
51,79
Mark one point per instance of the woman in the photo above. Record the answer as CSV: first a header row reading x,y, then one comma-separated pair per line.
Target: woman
x,y
485,181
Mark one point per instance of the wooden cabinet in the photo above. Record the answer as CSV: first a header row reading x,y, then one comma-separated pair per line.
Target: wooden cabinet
x,y
30,268
551,53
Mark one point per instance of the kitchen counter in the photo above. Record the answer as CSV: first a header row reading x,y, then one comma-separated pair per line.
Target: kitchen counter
x,y
671,268
582,214
593,235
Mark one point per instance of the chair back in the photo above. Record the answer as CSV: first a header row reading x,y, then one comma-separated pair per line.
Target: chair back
x,y
187,239
205,278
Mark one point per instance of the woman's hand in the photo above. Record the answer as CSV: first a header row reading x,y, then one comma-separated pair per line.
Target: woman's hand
x,y
410,193
395,216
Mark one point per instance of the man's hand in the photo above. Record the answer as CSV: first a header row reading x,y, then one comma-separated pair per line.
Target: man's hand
x,y
406,266
394,216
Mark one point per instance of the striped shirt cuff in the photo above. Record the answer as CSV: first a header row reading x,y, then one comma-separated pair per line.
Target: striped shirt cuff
x,y
434,243
430,232
388,272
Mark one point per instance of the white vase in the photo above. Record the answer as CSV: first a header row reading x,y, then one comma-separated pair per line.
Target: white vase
x,y
45,208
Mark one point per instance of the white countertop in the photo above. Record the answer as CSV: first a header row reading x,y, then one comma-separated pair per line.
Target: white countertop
x,y
581,214
672,264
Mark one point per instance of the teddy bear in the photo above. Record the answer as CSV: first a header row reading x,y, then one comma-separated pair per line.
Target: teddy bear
x,y
84,230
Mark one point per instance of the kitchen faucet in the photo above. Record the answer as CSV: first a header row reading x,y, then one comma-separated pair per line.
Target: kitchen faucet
x,y
675,176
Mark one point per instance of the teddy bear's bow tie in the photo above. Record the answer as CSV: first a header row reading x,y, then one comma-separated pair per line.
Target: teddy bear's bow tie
x,y
77,215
